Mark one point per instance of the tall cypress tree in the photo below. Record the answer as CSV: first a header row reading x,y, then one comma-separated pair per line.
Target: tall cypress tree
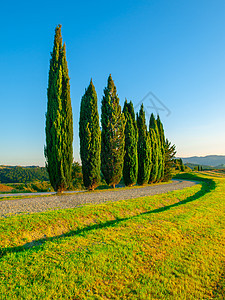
x,y
155,156
59,120
113,140
130,167
90,138
144,149
154,126
161,130
162,141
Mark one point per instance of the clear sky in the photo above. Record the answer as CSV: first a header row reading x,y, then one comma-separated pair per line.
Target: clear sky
x,y
174,49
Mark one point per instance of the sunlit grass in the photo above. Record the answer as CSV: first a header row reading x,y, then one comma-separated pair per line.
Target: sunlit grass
x,y
168,246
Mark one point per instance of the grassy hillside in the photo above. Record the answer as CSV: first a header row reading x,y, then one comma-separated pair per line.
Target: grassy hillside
x,y
168,246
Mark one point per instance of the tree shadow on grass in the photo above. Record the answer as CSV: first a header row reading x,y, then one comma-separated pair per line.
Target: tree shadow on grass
x,y
208,185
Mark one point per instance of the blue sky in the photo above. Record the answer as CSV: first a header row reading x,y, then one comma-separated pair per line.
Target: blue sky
x,y
174,49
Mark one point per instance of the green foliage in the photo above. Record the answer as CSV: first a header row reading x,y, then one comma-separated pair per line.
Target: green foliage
x,y
130,167
162,144
161,166
155,156
23,174
77,177
144,149
179,165
153,124
161,130
169,160
182,168
90,138
59,121
113,139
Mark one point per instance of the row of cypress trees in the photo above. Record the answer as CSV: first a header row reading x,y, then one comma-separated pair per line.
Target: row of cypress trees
x,y
124,147
151,153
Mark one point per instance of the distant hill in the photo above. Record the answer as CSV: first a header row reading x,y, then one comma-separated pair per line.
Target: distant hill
x,y
12,174
209,160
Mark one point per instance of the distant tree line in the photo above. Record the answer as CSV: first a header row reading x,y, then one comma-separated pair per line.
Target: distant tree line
x,y
23,175
198,168
178,165
123,147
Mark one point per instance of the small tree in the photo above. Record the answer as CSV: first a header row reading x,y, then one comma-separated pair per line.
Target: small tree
x,y
59,119
77,176
144,149
113,139
130,167
170,152
90,138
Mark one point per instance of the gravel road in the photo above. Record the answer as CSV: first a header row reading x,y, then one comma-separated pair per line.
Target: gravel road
x,y
40,204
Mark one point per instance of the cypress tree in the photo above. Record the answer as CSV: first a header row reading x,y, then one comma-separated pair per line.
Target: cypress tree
x,y
144,149
154,126
161,130
90,138
59,120
155,156
113,140
130,167
162,141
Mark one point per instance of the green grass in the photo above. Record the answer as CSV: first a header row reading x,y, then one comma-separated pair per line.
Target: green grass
x,y
168,246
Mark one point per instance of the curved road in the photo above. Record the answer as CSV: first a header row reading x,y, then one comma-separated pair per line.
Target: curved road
x,y
40,204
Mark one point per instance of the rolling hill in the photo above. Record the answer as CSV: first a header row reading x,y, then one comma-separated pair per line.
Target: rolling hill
x,y
209,160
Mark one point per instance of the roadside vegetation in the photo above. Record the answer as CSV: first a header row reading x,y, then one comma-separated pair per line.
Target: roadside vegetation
x,y
168,246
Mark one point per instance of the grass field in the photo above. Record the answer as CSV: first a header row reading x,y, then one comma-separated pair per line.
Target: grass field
x,y
169,246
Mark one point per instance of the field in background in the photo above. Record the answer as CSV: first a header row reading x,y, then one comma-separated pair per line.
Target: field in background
x,y
168,246
32,187
5,188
